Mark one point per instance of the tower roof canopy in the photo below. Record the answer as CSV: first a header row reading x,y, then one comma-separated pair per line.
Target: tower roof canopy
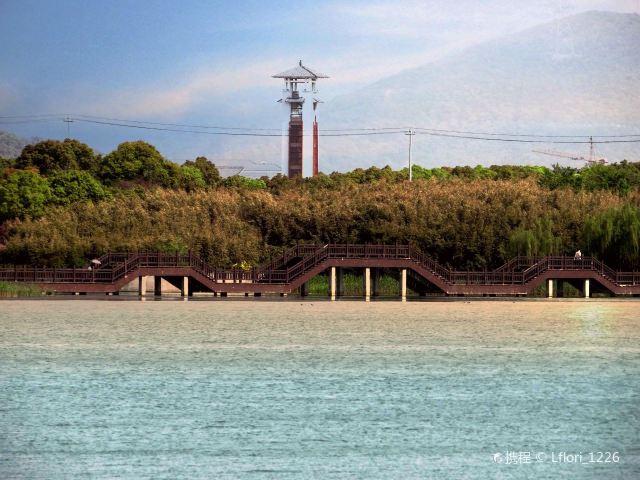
x,y
301,72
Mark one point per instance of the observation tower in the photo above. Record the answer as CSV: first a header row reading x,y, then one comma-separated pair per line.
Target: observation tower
x,y
294,79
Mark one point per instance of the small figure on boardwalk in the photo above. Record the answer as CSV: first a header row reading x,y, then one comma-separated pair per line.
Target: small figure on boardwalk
x,y
578,255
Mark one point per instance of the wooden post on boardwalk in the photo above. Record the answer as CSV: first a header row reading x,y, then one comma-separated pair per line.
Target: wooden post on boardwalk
x,y
332,283
142,286
367,284
403,285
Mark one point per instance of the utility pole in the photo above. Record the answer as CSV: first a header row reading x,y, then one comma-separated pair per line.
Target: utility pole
x,y
68,121
410,133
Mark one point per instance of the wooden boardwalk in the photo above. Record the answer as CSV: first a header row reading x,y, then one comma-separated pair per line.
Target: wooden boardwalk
x,y
290,272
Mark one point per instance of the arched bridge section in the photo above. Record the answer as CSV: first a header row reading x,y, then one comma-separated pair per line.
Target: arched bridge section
x,y
291,270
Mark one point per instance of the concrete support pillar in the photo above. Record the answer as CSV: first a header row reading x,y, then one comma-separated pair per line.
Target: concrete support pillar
x,y
587,288
550,288
142,286
184,291
157,286
403,284
332,283
367,284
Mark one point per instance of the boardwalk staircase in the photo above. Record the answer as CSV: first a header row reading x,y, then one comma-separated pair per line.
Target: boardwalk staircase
x,y
299,263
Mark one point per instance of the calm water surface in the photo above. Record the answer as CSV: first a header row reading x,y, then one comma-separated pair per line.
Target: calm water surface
x,y
257,389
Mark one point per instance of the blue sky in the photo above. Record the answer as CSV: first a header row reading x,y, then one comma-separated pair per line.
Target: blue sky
x,y
210,61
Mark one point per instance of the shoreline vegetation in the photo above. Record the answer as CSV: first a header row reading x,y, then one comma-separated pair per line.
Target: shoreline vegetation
x,y
62,204
11,289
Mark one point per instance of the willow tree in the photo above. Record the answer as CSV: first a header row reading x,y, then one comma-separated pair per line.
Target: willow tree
x,y
614,235
538,240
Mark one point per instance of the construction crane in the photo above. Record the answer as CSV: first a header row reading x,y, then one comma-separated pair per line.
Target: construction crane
x,y
592,160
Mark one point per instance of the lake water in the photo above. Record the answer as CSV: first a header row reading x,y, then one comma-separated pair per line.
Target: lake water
x,y
218,389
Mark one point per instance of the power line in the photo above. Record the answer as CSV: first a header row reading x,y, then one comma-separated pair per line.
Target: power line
x,y
38,115
366,131
400,129
35,120
519,140
147,127
212,127
530,135
386,132
234,134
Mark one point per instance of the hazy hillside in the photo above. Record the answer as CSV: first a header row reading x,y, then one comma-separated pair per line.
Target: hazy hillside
x,y
11,145
579,74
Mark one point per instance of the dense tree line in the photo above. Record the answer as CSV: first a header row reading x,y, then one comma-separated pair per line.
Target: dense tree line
x,y
61,203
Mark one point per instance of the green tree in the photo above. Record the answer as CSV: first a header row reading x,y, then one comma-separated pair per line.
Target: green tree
x,y
23,193
6,163
560,177
619,177
515,172
245,182
279,183
539,240
139,162
50,156
209,171
615,235
75,186
191,178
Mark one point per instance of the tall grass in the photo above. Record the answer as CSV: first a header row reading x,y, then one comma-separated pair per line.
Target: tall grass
x,y
466,225
11,289
353,285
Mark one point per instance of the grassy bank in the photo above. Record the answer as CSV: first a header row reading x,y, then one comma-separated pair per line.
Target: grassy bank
x,y
11,289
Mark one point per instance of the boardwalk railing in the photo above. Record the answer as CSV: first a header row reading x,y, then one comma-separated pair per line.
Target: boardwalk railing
x,y
300,259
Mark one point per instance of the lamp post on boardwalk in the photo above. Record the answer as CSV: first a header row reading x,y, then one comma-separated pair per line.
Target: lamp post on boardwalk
x,y
410,133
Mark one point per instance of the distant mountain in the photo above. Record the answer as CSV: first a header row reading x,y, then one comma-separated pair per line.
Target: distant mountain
x,y
580,74
11,145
